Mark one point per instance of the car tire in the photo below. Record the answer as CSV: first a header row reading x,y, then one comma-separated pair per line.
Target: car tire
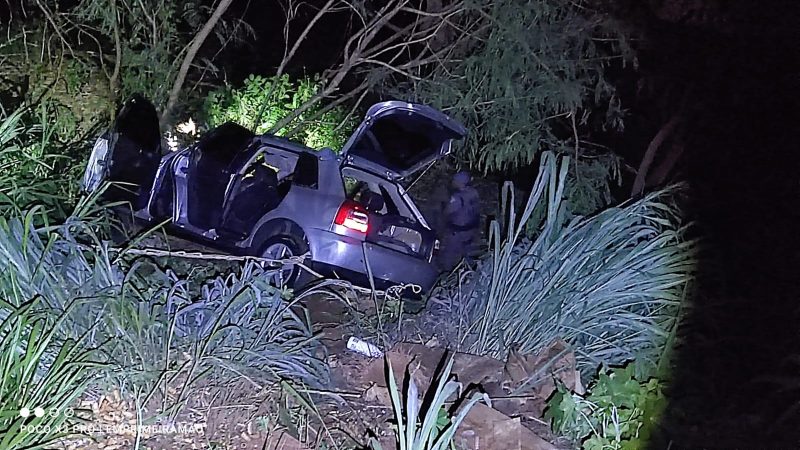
x,y
281,247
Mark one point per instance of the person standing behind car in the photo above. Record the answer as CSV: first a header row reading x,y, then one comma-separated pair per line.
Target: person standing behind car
x,y
461,222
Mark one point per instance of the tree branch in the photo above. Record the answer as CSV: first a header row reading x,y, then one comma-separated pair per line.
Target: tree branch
x,y
650,155
194,47
113,81
303,35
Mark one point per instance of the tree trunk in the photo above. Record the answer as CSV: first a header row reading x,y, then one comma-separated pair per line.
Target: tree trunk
x,y
191,53
650,155
667,166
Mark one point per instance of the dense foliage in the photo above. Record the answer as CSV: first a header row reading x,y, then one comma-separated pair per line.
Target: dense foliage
x,y
37,370
261,102
533,79
619,412
611,285
34,169
538,66
153,331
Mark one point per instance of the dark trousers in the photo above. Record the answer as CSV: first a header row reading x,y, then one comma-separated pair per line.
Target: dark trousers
x,y
454,246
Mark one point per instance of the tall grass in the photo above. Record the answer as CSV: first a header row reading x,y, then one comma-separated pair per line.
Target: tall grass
x,y
155,331
610,285
32,170
66,295
428,425
38,370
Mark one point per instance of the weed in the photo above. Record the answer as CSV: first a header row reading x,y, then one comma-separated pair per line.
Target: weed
x,y
620,411
153,332
610,285
41,375
428,428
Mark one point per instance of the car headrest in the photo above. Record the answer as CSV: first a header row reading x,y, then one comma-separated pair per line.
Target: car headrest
x,y
372,201
265,174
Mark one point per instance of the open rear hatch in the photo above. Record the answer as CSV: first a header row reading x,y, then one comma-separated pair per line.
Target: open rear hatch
x,y
404,235
388,230
397,139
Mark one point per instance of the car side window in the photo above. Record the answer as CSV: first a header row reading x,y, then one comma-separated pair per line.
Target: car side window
x,y
306,171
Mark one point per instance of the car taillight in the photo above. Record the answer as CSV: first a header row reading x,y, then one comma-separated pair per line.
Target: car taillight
x,y
353,216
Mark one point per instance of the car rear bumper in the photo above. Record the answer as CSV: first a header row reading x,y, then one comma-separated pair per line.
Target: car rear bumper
x,y
387,265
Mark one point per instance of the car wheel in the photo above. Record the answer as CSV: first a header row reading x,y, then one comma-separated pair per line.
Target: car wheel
x,y
283,247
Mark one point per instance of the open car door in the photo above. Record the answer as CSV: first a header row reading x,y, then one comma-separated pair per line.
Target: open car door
x,y
213,161
128,154
397,139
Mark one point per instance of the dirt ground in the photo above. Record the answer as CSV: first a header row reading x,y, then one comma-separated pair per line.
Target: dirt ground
x,y
241,415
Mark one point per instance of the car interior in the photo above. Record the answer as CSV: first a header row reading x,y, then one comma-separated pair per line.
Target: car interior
x,y
136,152
388,227
262,184
252,196
210,169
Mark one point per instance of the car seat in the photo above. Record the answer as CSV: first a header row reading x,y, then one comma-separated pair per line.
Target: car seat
x,y
210,171
372,201
256,195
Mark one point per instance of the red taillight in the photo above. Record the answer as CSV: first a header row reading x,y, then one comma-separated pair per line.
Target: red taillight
x,y
353,216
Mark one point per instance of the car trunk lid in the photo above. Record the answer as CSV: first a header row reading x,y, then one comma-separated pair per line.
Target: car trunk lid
x,y
397,139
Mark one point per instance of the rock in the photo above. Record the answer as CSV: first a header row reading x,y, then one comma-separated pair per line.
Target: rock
x,y
423,362
485,428
555,361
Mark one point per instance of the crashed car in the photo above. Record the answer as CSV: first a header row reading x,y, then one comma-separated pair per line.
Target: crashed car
x,y
267,196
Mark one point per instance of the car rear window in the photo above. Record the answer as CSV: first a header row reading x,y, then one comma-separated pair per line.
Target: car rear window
x,y
391,207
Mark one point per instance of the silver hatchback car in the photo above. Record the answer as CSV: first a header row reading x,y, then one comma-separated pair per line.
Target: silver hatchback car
x,y
264,195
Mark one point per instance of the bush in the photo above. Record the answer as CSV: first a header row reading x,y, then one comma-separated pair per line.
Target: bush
x,y
261,102
610,285
620,411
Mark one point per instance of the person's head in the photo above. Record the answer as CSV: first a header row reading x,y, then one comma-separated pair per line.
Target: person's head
x,y
461,179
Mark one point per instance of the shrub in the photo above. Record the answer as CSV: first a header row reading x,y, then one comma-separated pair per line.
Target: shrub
x,y
610,285
261,102
32,170
619,412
